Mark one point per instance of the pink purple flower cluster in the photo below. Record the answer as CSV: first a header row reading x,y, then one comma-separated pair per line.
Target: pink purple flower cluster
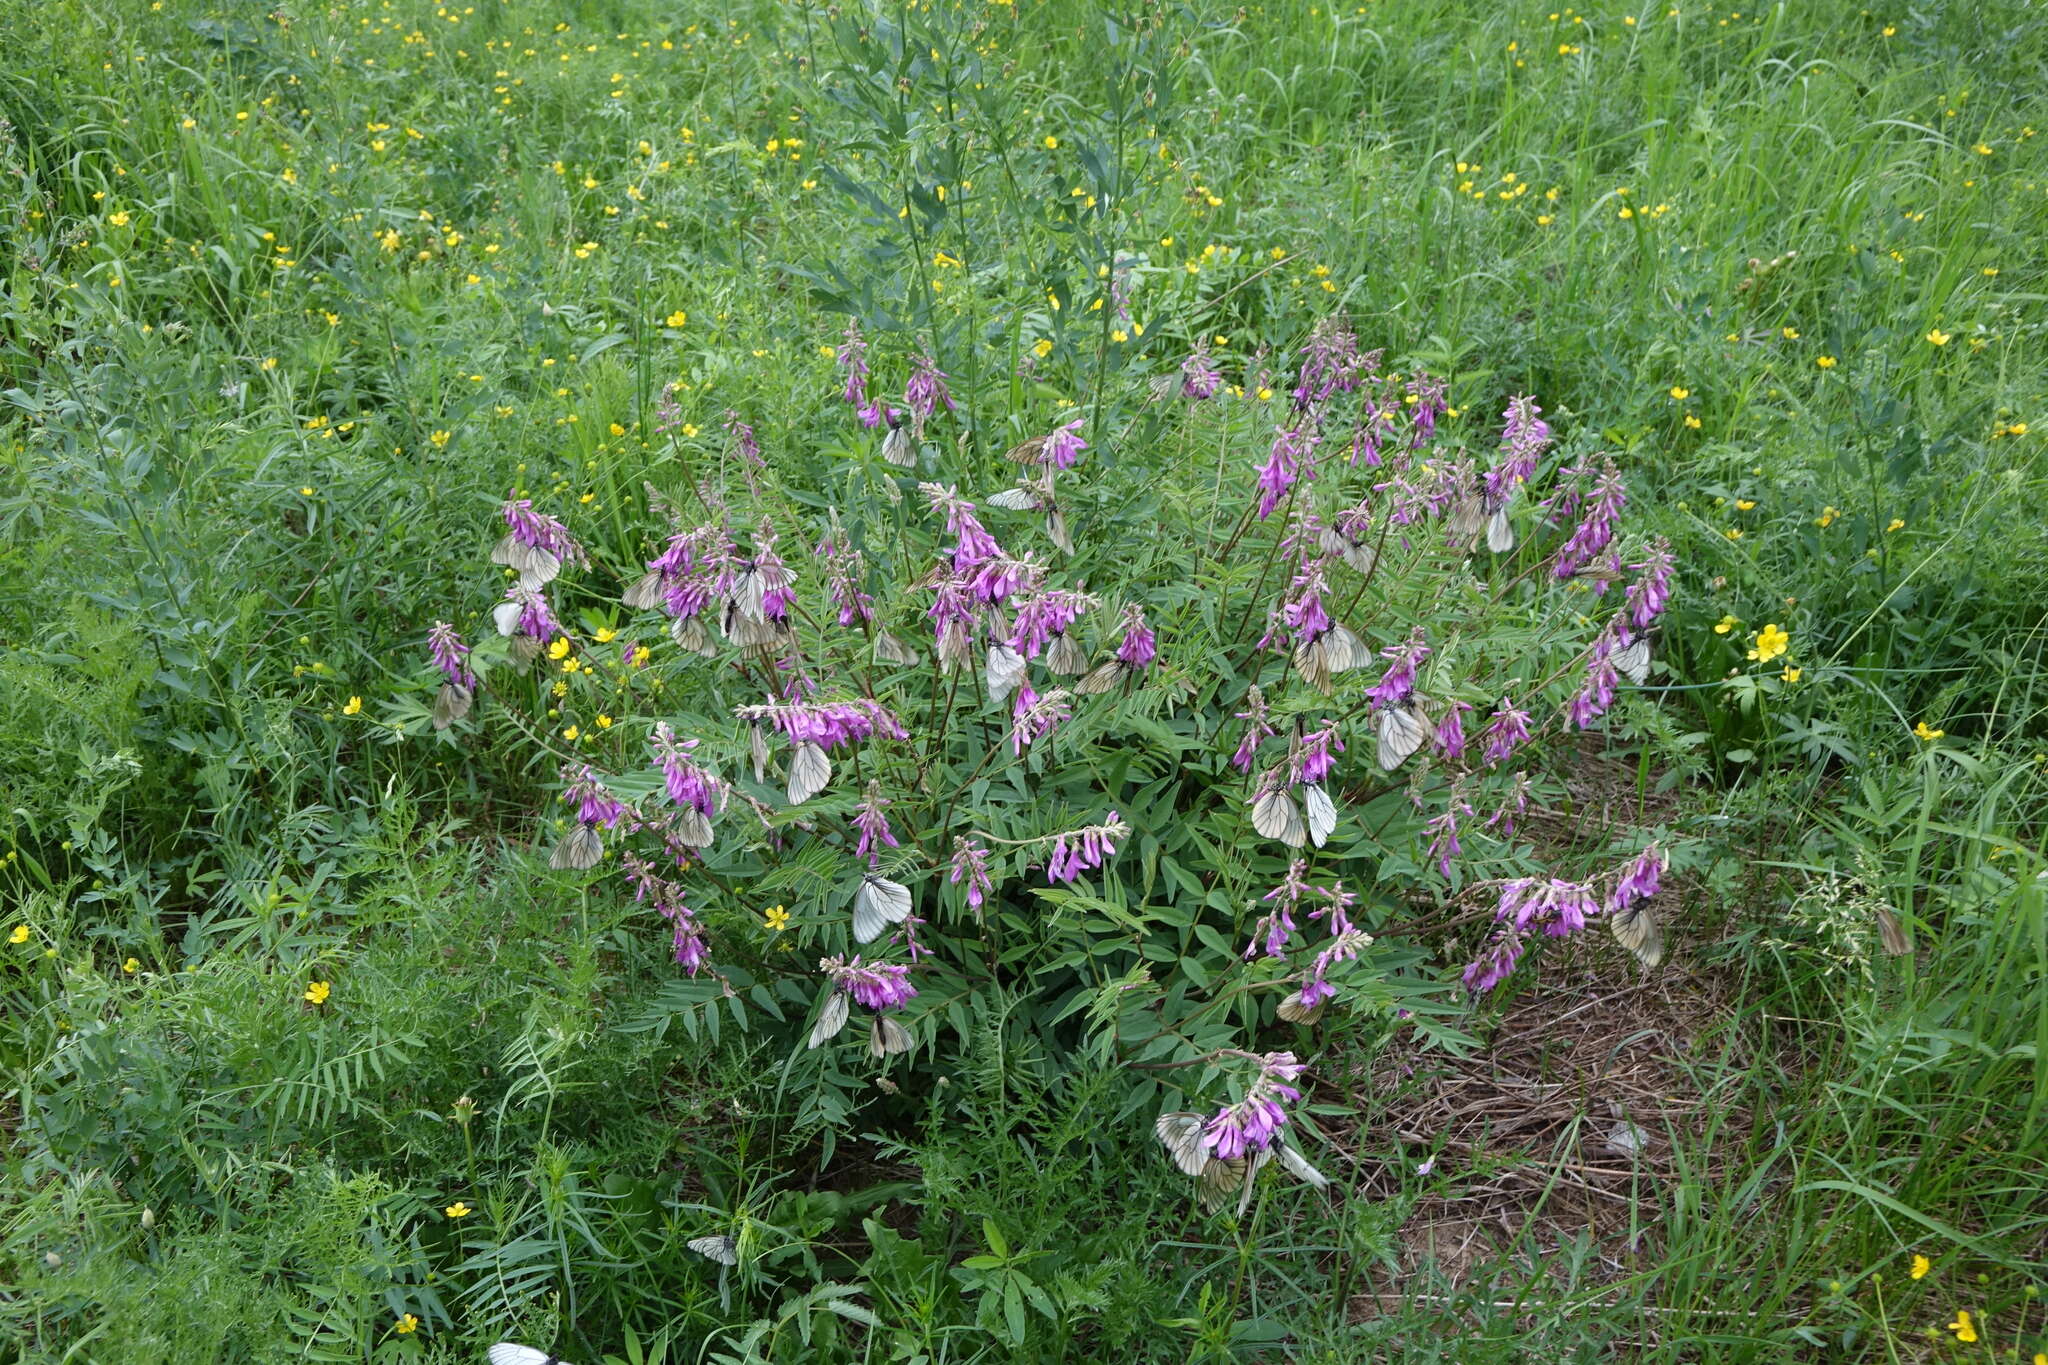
x,y
536,619
687,938
451,656
926,392
1255,1121
970,866
1344,946
828,724
1397,684
1084,850
1317,756
1505,732
1638,881
1034,717
875,985
1290,459
1064,446
594,802
873,825
844,571
1139,646
1044,615
687,783
539,531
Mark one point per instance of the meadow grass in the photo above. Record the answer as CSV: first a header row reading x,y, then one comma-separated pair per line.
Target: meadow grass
x,y
294,297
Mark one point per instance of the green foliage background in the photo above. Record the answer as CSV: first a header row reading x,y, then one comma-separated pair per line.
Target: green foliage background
x,y
293,296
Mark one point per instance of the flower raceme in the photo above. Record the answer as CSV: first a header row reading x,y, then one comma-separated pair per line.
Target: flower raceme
x,y
792,734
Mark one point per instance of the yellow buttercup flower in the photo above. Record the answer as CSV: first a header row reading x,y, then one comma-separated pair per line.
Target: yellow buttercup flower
x,y
1921,1265
775,919
1927,732
1937,337
1726,624
1965,1330
458,1209
407,1323
1826,362
19,934
1896,523
1680,393
678,318
317,993
1770,643
1792,675
131,966
353,706
1827,516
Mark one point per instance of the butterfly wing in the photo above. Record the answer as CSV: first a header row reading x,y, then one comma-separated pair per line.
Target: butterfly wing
x,y
887,1036
890,650
1065,657
878,904
691,827
1056,529
1891,933
897,448
1180,1132
1401,733
1218,1181
1101,678
1322,813
1312,658
1004,672
512,1353
579,849
1632,660
809,771
645,594
718,1247
1500,532
451,704
1344,650
1018,499
1465,519
1274,815
1636,929
1298,1166
505,616
1294,1012
831,1018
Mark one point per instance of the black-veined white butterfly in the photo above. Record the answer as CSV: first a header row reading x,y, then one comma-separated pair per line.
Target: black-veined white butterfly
x,y
1401,732
512,1353
831,1018
1298,1166
646,592
691,826
1632,660
451,704
877,904
897,448
580,849
718,1247
886,1036
689,632
1294,1012
1322,813
809,771
1500,532
1635,928
1066,658
1275,816
1004,673
1356,553
1181,1134
536,567
1103,677
1335,651
1891,934
890,650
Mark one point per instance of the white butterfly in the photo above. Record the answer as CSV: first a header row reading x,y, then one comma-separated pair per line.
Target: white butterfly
x,y
809,771
689,633
1632,660
1322,813
886,1036
1274,815
505,616
1636,930
1357,554
1004,673
1500,532
1298,1166
831,1018
718,1247
1022,498
1065,657
1294,1012
890,650
878,904
1181,1133
451,704
1103,677
897,448
1335,651
1401,733
692,827
645,593
537,567
512,1353
580,848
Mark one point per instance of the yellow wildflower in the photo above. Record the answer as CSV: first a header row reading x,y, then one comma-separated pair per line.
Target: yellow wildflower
x,y
354,706
1921,1265
1726,624
1771,641
775,919
19,934
407,1323
1924,731
458,1209
317,993
1965,1330
1937,337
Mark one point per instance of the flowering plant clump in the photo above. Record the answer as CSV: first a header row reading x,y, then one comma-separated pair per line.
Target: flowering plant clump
x,y
981,747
